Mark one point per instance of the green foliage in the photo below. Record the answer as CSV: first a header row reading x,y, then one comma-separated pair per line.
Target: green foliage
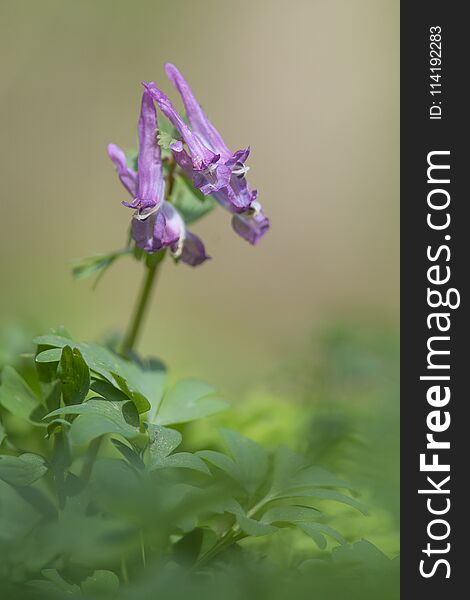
x,y
108,483
15,394
22,470
97,265
105,493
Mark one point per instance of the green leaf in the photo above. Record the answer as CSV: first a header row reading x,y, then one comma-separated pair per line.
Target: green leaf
x,y
188,400
22,470
108,391
247,524
316,531
141,403
129,454
166,135
250,458
100,360
361,552
101,583
49,356
162,442
74,376
165,140
248,464
290,514
188,548
99,264
54,577
222,461
322,494
290,471
145,383
99,417
16,395
184,460
189,201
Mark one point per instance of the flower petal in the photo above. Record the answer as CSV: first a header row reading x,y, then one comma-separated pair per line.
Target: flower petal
x,y
251,225
172,231
196,116
201,156
127,175
149,165
194,252
212,180
236,197
142,233
182,158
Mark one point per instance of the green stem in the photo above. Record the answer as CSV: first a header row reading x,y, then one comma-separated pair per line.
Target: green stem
x,y
228,538
141,307
124,573
231,536
142,549
90,457
152,264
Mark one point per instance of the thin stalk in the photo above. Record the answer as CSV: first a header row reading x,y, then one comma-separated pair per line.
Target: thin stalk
x,y
124,572
141,307
230,536
142,549
90,457
226,540
152,264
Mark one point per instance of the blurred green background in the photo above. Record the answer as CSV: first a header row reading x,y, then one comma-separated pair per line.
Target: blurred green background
x,y
311,85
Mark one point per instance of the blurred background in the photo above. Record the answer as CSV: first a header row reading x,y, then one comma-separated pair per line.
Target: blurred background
x,y
311,85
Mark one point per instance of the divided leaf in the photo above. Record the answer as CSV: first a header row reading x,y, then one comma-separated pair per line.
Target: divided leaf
x,y
186,401
162,443
248,464
142,385
98,264
317,531
16,395
98,417
22,470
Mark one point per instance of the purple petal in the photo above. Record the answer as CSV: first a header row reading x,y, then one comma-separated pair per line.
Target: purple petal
x,y
182,158
162,229
149,166
171,229
236,197
127,176
240,156
212,180
194,252
251,225
201,156
196,116
142,233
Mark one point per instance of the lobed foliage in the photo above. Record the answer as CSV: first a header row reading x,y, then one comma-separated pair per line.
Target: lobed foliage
x,y
100,496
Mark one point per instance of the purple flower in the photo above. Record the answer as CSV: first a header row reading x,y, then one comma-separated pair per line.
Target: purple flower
x,y
213,167
252,224
156,224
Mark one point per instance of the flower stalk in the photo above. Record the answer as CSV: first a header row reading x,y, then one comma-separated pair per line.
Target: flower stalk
x,y
137,320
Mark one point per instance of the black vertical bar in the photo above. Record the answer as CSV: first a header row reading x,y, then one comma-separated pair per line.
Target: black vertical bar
x,y
421,135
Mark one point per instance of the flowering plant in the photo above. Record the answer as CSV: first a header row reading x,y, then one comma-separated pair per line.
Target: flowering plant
x,y
103,494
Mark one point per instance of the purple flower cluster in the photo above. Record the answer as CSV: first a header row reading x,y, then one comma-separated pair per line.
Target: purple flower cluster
x,y
203,156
